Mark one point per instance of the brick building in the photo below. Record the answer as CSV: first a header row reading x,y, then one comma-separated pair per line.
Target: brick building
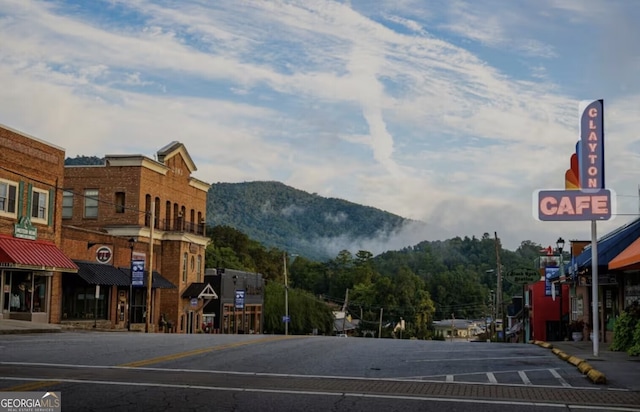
x,y
31,262
107,214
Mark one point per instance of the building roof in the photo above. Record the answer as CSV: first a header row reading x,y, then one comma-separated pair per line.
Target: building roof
x,y
33,254
200,290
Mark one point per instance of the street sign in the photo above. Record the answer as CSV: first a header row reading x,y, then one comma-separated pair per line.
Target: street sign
x,y
194,302
286,319
137,273
522,276
239,301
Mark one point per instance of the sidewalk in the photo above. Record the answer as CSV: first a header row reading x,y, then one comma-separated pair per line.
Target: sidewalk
x,y
10,326
617,368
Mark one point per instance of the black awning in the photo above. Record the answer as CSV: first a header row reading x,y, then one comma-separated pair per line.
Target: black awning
x,y
200,290
158,281
101,274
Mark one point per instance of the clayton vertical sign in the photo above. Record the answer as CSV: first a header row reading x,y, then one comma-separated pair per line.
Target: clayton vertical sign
x,y
589,199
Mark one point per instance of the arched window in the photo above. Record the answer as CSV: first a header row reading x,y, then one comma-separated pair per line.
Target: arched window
x,y
185,260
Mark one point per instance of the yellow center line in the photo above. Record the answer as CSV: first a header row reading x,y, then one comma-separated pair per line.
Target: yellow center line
x,y
180,355
25,387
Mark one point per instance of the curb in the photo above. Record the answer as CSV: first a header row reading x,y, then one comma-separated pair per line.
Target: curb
x,y
584,367
25,331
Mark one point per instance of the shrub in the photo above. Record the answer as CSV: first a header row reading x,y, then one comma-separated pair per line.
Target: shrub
x,y
626,332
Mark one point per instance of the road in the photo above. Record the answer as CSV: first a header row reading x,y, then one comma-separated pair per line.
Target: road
x,y
96,371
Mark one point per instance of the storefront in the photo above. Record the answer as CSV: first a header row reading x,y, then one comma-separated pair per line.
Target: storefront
x,y
628,264
31,272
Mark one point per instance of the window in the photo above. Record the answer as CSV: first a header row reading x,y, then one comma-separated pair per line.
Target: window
x,y
119,202
67,204
199,269
91,203
184,267
39,205
8,197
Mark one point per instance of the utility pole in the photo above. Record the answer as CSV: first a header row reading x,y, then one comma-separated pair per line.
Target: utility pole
x,y
344,310
150,278
499,293
380,327
453,318
286,298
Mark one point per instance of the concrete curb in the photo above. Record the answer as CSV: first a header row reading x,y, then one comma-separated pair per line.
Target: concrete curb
x,y
584,367
24,331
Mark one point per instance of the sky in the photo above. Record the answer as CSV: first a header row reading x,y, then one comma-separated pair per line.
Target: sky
x,y
448,112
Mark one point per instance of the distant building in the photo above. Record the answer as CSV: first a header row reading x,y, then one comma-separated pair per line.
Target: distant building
x,y
457,328
239,305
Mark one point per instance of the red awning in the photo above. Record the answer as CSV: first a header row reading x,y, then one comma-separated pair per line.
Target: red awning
x,y
33,254
628,259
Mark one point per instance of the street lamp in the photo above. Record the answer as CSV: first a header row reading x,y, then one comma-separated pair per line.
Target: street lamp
x,y
560,247
132,242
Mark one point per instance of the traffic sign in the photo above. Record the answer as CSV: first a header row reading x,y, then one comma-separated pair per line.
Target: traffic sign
x,y
286,319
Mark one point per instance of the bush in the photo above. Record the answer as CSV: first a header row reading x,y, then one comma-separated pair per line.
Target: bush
x,y
626,332
635,349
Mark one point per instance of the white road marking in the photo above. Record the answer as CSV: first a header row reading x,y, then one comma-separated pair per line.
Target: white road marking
x,y
491,377
320,393
559,378
524,377
469,359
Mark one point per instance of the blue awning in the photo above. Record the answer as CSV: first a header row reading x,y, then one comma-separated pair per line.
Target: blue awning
x,y
609,246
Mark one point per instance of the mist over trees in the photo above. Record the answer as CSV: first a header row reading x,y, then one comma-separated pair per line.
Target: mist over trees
x,y
419,284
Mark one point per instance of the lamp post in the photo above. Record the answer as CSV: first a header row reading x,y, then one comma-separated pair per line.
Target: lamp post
x,y
560,246
132,242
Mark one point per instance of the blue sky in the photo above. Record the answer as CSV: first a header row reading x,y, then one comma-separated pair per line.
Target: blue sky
x,y
444,111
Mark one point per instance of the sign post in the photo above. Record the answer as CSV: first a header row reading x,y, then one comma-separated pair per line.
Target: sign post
x,y
523,277
586,198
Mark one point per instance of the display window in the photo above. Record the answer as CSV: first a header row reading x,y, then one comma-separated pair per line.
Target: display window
x,y
25,292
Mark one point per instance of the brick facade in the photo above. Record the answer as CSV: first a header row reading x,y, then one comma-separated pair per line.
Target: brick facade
x,y
130,189
34,168
89,207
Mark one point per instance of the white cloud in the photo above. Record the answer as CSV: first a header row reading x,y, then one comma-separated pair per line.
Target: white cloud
x,y
447,111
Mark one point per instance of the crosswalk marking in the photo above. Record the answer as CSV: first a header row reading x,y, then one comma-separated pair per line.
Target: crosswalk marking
x,y
524,377
505,377
559,378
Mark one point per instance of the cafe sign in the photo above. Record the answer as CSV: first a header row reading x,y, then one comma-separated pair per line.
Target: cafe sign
x,y
585,196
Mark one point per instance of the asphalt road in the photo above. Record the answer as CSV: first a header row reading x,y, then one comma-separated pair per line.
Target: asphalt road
x,y
98,371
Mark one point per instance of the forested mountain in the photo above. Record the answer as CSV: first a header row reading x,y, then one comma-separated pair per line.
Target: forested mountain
x,y
258,226
280,216
431,280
